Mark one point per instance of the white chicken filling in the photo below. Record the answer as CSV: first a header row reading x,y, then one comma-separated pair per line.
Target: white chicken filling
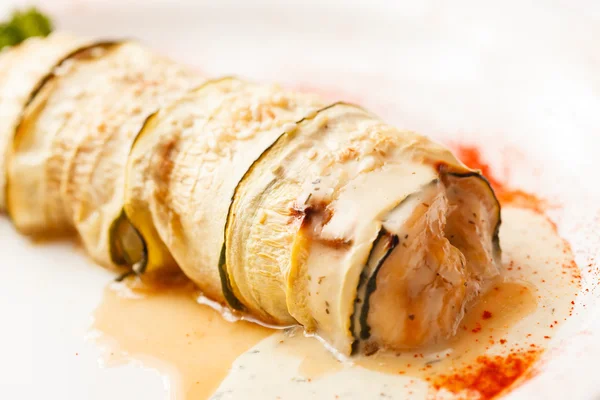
x,y
436,256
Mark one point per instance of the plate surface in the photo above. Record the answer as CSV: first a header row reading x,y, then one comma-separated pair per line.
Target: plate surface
x,y
521,81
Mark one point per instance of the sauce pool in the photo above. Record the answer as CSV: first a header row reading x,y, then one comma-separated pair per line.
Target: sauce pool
x,y
501,337
497,344
168,330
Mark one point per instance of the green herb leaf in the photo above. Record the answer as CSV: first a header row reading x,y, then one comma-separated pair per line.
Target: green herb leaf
x,y
22,25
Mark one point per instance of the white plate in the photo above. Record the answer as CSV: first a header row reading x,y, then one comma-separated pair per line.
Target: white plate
x,y
521,80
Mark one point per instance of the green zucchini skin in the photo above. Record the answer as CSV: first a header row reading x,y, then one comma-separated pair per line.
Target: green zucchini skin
x,y
232,300
52,73
137,268
230,297
357,302
365,330
118,252
496,234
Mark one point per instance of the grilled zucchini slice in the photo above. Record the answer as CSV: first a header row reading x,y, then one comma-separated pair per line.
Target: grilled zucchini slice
x,y
22,68
306,223
67,168
284,209
186,163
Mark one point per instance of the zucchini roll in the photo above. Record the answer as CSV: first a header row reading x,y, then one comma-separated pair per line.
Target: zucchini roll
x,y
274,203
22,67
372,237
66,168
184,167
366,235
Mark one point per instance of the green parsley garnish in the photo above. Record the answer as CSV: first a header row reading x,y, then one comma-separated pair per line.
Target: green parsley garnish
x,y
22,25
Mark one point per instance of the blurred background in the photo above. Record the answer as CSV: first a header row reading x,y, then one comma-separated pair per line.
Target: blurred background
x,y
513,73
501,61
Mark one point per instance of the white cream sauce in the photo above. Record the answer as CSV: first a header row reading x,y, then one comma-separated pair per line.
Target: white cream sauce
x,y
202,354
